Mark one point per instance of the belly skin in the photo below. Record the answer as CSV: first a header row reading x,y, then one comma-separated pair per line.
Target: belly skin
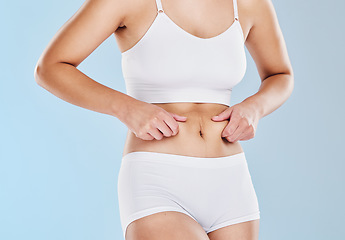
x,y
198,136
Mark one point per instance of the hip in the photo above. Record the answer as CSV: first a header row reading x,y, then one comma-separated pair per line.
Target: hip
x,y
150,182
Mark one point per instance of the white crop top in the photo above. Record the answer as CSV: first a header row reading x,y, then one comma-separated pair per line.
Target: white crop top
x,y
168,64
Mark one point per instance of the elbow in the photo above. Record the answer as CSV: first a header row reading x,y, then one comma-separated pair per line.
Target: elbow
x,y
42,73
37,74
291,80
44,70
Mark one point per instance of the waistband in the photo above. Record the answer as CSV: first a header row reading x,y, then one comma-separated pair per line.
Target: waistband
x,y
186,161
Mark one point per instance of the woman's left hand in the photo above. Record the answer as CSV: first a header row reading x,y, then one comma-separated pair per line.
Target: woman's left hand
x,y
243,120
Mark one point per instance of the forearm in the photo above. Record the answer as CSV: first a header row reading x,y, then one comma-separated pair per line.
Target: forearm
x,y
273,92
71,85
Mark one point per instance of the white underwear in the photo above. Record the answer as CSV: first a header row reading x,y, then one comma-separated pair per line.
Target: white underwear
x,y
215,192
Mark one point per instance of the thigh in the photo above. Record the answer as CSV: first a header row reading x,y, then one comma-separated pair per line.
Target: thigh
x,y
241,231
167,225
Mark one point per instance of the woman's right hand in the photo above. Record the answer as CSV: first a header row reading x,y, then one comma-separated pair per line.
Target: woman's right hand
x,y
148,121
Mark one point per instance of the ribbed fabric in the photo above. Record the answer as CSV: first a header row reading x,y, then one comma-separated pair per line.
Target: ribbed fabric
x,y
169,64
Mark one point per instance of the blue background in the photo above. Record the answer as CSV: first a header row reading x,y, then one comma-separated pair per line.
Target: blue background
x,y
59,162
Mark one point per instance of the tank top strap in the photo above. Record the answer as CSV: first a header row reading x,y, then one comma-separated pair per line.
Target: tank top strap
x,y
159,6
235,9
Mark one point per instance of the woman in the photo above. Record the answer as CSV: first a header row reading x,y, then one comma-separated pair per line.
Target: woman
x,y
184,174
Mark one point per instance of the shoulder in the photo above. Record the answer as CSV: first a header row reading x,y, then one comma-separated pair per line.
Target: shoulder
x,y
258,11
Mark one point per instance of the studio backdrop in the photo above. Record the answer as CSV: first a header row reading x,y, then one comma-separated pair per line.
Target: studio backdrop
x,y
59,163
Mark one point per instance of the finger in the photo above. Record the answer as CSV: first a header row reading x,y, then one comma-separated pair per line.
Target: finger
x,y
223,115
149,137
178,117
161,125
228,137
245,136
155,133
239,131
171,122
146,136
248,134
231,126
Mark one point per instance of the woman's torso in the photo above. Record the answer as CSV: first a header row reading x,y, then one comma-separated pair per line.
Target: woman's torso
x,y
199,136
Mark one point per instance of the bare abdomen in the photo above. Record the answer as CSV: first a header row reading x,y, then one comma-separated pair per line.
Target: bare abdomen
x,y
198,136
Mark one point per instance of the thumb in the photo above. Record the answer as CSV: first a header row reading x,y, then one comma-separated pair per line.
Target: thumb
x,y
223,115
178,117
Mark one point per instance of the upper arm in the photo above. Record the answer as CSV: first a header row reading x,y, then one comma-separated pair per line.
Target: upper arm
x,y
93,23
265,41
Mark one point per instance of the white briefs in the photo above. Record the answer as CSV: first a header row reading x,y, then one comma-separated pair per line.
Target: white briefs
x,y
215,192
